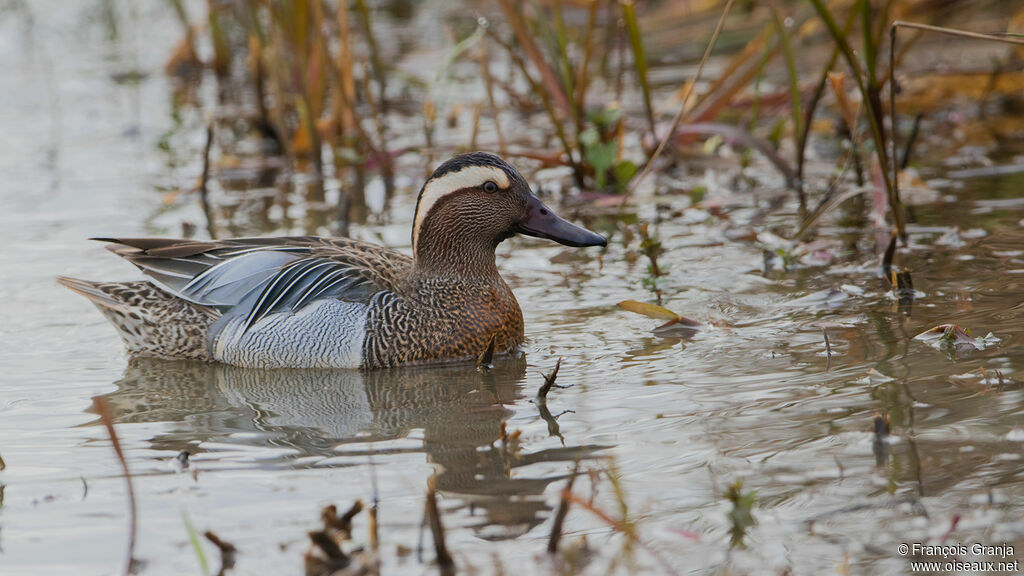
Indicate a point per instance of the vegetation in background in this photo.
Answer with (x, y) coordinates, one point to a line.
(802, 88)
(322, 83)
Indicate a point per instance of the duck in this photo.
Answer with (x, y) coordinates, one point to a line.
(335, 302)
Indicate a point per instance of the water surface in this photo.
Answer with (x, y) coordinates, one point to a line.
(94, 138)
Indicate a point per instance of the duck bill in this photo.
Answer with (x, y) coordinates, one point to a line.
(541, 222)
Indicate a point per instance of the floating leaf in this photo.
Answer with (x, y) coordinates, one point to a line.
(649, 310)
(953, 338)
(676, 327)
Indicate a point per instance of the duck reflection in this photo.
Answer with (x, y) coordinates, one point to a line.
(459, 408)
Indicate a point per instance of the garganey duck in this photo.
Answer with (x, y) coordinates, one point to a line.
(305, 302)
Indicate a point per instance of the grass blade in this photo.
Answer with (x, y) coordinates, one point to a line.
(639, 58)
(796, 107)
(197, 547)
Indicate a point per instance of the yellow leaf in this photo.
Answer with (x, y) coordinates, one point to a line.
(649, 310)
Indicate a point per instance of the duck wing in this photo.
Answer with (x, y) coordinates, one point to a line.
(256, 277)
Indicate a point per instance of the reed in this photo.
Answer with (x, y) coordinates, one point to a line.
(639, 59)
(324, 106)
(106, 417)
(869, 85)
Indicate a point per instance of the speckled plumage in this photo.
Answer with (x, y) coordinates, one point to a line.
(150, 321)
(335, 302)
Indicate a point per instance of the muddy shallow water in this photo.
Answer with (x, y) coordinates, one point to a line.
(87, 119)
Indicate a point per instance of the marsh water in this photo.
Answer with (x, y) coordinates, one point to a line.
(94, 142)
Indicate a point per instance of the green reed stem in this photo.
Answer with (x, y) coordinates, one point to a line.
(872, 104)
(639, 58)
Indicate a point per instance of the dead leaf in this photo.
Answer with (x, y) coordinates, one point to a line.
(649, 310)
(676, 327)
(950, 337)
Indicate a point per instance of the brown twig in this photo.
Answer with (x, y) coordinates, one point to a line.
(563, 510)
(549, 381)
(548, 76)
(373, 528)
(103, 410)
(444, 559)
(227, 552)
(342, 523)
(549, 107)
(1007, 38)
(619, 526)
(335, 556)
(893, 128)
(204, 178)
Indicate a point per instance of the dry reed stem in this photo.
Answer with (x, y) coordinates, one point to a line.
(525, 38)
(867, 84)
(563, 510)
(682, 106)
(108, 421)
(228, 552)
(896, 25)
(812, 105)
(204, 177)
(485, 71)
(444, 558)
(620, 526)
(549, 381)
(1008, 39)
(548, 107)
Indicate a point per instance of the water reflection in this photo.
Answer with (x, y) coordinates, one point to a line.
(460, 411)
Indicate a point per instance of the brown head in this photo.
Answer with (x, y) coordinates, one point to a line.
(473, 202)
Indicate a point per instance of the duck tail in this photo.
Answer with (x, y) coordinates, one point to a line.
(91, 290)
(150, 321)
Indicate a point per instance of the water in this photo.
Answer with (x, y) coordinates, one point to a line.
(93, 138)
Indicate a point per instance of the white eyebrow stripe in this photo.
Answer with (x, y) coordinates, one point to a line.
(438, 188)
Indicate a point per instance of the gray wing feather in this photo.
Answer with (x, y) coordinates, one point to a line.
(228, 282)
(252, 278)
(304, 281)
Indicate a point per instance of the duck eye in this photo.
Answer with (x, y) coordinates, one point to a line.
(490, 187)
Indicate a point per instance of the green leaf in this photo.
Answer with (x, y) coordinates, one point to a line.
(624, 172)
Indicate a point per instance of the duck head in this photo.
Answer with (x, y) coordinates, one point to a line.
(473, 202)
